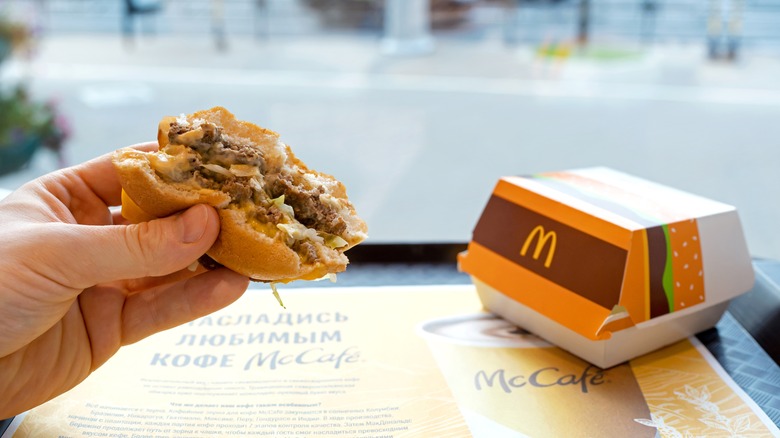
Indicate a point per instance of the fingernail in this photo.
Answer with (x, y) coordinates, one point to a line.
(193, 224)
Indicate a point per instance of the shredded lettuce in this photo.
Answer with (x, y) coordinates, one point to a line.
(330, 276)
(286, 209)
(334, 241)
(276, 295)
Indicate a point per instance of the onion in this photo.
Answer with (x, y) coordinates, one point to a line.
(300, 232)
(216, 168)
(244, 170)
(256, 183)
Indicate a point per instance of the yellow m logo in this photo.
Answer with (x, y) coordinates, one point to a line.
(540, 244)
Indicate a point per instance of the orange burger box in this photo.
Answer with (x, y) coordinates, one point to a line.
(606, 265)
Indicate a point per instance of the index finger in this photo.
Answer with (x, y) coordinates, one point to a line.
(101, 177)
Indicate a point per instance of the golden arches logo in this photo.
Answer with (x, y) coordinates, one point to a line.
(540, 244)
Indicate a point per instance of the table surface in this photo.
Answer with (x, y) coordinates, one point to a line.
(746, 341)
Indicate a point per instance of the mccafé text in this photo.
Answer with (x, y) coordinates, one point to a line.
(547, 377)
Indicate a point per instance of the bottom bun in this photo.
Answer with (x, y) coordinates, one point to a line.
(244, 249)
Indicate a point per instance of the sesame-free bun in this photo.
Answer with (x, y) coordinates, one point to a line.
(249, 243)
(154, 196)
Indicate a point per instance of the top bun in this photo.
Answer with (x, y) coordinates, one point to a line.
(280, 220)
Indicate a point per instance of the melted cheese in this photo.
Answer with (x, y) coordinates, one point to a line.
(173, 163)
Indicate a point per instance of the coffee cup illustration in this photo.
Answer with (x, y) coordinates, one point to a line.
(510, 383)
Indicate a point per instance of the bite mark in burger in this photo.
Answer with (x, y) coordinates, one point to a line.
(280, 220)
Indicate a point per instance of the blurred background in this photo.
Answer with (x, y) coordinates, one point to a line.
(418, 106)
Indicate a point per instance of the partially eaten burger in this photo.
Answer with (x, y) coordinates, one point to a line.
(280, 220)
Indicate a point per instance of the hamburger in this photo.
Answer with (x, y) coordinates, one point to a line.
(279, 220)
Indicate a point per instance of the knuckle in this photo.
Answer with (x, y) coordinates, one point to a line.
(144, 243)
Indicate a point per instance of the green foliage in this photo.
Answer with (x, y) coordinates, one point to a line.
(21, 118)
(25, 124)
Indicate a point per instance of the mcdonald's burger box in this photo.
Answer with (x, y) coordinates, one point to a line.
(606, 265)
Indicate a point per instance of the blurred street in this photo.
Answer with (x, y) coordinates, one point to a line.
(420, 141)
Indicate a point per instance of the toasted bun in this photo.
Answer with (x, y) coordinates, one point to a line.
(255, 248)
(152, 195)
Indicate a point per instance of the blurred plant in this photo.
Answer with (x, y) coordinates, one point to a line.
(26, 125)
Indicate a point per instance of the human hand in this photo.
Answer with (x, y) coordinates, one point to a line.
(77, 282)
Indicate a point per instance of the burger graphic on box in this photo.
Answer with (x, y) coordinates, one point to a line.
(604, 264)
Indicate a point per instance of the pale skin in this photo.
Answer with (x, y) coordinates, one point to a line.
(77, 282)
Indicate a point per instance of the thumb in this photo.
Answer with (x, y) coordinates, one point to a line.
(154, 248)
